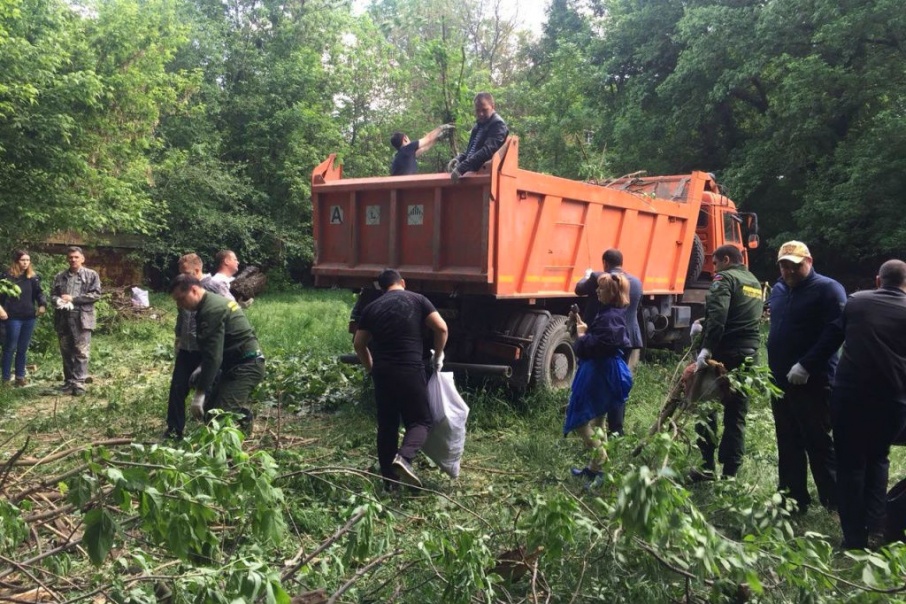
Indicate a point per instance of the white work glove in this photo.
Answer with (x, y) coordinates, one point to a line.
(193, 378)
(438, 361)
(452, 165)
(797, 376)
(702, 361)
(197, 407)
(64, 305)
(445, 131)
(455, 176)
(695, 329)
(588, 273)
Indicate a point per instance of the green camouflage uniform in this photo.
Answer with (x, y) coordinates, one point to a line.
(227, 342)
(731, 332)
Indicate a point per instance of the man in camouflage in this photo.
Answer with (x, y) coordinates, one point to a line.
(227, 341)
(730, 334)
(73, 294)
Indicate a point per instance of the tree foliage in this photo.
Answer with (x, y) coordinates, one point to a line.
(197, 123)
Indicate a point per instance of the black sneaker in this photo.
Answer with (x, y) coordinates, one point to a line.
(701, 475)
(407, 476)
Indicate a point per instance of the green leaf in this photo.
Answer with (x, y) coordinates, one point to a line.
(101, 528)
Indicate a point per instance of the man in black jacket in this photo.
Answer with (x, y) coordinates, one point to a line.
(868, 403)
(802, 355)
(488, 135)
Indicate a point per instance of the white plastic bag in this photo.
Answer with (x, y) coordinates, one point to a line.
(449, 413)
(140, 298)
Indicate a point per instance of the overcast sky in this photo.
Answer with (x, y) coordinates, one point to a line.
(529, 13)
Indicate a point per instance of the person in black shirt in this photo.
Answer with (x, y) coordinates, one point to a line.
(388, 342)
(868, 402)
(18, 314)
(404, 162)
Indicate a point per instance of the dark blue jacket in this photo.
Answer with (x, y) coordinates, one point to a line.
(605, 337)
(802, 329)
(589, 287)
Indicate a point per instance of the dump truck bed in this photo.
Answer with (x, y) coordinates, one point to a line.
(502, 232)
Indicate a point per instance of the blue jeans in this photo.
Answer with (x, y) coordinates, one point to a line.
(18, 335)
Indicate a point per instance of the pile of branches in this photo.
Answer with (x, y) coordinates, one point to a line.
(120, 300)
(52, 526)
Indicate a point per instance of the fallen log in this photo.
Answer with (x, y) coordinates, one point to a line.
(248, 283)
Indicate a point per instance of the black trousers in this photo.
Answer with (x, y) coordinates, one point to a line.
(864, 427)
(803, 426)
(186, 362)
(736, 406)
(400, 393)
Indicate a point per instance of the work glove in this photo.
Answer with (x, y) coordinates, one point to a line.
(197, 407)
(63, 305)
(445, 131)
(438, 361)
(702, 361)
(454, 176)
(797, 376)
(695, 329)
(452, 165)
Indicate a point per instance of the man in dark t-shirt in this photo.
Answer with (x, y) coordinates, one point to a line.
(404, 162)
(388, 342)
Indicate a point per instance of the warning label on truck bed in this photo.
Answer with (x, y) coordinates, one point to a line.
(416, 214)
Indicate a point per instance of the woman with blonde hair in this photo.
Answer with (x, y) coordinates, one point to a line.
(18, 314)
(603, 380)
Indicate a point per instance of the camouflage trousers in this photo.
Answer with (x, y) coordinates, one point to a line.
(75, 348)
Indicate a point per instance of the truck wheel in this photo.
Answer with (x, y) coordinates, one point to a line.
(696, 259)
(555, 359)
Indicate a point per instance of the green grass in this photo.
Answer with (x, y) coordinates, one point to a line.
(515, 474)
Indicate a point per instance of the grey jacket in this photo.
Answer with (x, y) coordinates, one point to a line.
(85, 288)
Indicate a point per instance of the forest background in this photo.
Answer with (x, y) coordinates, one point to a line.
(196, 123)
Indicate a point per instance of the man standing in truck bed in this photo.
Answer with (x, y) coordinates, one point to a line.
(488, 135)
(730, 334)
(407, 151)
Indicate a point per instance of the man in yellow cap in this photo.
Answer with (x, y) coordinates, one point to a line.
(802, 355)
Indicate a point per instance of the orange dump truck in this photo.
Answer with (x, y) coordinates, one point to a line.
(500, 252)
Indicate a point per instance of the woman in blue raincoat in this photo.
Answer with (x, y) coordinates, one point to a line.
(603, 379)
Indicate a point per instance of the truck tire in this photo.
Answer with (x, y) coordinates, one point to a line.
(696, 260)
(555, 360)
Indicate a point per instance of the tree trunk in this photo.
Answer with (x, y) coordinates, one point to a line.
(248, 283)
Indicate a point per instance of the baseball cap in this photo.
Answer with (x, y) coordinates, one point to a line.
(794, 251)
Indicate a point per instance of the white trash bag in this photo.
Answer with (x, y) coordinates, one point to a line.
(140, 298)
(449, 412)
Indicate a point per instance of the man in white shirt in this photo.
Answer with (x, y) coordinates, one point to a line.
(226, 266)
